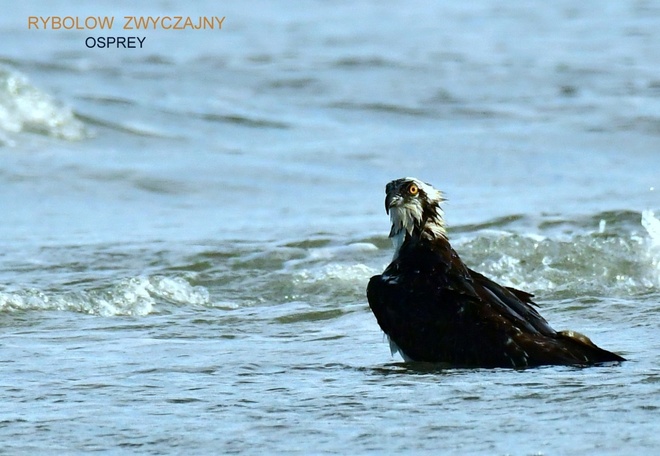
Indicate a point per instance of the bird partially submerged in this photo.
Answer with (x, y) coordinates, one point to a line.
(434, 308)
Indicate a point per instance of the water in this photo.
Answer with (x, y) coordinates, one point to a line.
(188, 229)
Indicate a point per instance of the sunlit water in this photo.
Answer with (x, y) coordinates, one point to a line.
(188, 230)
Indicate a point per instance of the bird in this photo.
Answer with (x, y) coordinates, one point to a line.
(435, 309)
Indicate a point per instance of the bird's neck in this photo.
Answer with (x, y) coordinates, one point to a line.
(430, 229)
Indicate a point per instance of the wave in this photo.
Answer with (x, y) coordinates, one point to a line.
(138, 296)
(596, 257)
(615, 259)
(24, 108)
(595, 264)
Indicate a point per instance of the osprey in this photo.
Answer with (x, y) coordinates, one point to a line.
(434, 308)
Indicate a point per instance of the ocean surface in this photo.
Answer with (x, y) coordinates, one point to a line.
(187, 229)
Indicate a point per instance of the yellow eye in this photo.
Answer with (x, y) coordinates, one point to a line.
(413, 189)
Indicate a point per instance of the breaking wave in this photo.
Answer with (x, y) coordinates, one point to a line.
(607, 255)
(618, 257)
(137, 296)
(24, 108)
(602, 262)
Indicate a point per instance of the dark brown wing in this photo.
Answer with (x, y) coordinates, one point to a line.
(511, 303)
(420, 328)
(563, 347)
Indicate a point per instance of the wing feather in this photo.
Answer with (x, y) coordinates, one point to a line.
(514, 304)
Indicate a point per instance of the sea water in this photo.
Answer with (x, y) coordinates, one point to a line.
(188, 228)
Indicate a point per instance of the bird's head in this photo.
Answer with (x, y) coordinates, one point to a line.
(414, 209)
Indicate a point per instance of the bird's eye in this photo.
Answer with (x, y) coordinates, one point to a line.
(413, 189)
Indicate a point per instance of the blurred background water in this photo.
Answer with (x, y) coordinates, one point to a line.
(188, 228)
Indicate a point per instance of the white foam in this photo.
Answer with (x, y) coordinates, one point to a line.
(335, 251)
(138, 296)
(23, 107)
(178, 291)
(652, 226)
(579, 264)
(353, 272)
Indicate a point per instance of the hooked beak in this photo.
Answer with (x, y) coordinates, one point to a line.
(391, 200)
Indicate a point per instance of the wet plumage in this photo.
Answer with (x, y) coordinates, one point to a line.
(434, 308)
